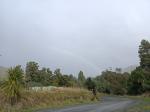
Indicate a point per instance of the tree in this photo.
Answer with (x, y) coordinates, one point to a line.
(112, 82)
(118, 70)
(73, 81)
(57, 77)
(91, 86)
(102, 85)
(58, 73)
(32, 69)
(144, 54)
(81, 79)
(45, 76)
(65, 81)
(136, 81)
(14, 84)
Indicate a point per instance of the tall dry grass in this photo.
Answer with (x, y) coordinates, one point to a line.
(46, 99)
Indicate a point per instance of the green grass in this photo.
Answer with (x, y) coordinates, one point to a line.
(142, 106)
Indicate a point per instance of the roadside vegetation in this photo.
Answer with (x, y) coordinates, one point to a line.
(135, 83)
(34, 100)
(143, 103)
(16, 93)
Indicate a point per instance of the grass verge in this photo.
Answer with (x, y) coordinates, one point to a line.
(142, 106)
(34, 100)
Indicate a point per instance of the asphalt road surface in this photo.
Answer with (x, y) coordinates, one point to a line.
(107, 104)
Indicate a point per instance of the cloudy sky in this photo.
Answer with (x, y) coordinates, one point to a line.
(88, 35)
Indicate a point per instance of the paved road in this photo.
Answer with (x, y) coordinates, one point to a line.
(108, 104)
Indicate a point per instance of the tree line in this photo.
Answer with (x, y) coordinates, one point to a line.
(134, 83)
(111, 82)
(46, 77)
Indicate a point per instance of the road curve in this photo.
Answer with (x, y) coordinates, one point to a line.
(108, 104)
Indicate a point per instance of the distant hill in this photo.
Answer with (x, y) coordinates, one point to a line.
(129, 69)
(3, 72)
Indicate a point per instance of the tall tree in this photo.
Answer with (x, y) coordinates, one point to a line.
(136, 81)
(144, 54)
(57, 78)
(91, 86)
(32, 69)
(45, 76)
(81, 79)
(112, 82)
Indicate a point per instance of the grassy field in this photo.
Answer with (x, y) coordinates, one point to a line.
(142, 106)
(34, 100)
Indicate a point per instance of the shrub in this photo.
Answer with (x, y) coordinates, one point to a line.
(13, 85)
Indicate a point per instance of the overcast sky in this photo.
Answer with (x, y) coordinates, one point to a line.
(88, 35)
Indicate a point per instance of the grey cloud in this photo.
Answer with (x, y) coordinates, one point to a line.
(91, 35)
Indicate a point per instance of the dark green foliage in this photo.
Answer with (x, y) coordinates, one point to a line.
(102, 84)
(91, 85)
(45, 76)
(32, 72)
(36, 77)
(136, 81)
(58, 77)
(139, 80)
(81, 79)
(112, 82)
(118, 70)
(63, 80)
(144, 54)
